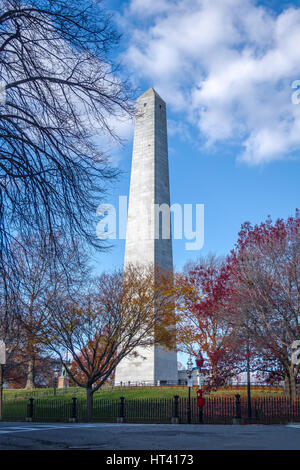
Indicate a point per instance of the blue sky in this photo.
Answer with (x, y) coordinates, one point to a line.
(225, 69)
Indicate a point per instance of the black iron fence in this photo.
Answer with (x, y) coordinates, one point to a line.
(217, 410)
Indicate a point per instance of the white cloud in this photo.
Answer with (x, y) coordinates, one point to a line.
(148, 7)
(123, 129)
(228, 64)
(179, 129)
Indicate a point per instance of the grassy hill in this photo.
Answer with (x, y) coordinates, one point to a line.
(114, 393)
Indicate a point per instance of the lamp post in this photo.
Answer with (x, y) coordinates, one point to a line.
(242, 262)
(199, 364)
(55, 382)
(2, 363)
(248, 382)
(189, 371)
(200, 398)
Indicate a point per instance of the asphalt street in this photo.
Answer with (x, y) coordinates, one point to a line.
(54, 436)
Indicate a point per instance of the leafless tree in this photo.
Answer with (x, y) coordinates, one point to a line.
(62, 89)
(38, 279)
(9, 328)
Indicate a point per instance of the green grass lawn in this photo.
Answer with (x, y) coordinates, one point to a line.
(141, 402)
(130, 393)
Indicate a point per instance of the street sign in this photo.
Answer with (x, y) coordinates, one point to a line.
(296, 352)
(2, 352)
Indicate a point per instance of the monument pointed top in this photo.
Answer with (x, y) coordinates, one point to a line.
(149, 92)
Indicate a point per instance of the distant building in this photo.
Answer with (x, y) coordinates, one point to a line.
(183, 378)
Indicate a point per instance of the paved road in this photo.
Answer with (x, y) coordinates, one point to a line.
(152, 436)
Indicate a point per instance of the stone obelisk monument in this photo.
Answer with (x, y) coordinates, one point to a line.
(149, 185)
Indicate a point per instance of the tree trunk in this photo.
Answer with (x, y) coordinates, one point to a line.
(89, 403)
(30, 375)
(293, 386)
(290, 384)
(214, 377)
(287, 390)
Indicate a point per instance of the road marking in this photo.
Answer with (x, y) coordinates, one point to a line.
(33, 427)
(49, 427)
(13, 429)
(296, 426)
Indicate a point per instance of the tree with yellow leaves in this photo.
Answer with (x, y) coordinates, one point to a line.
(108, 322)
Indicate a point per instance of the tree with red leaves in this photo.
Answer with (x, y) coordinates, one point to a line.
(204, 319)
(93, 353)
(265, 267)
(16, 370)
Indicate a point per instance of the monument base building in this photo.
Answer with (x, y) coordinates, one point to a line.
(153, 366)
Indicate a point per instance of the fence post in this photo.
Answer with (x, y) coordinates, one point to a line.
(121, 418)
(200, 414)
(30, 410)
(238, 416)
(175, 418)
(74, 410)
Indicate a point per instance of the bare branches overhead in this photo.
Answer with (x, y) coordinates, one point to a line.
(61, 91)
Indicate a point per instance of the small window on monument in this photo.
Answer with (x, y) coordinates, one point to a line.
(145, 104)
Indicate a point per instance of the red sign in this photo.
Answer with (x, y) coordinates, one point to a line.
(200, 398)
